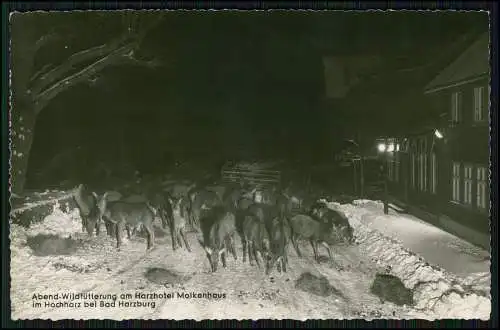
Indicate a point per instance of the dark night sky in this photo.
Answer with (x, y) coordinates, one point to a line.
(232, 78)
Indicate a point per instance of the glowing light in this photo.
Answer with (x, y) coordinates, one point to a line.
(390, 148)
(397, 147)
(381, 147)
(438, 134)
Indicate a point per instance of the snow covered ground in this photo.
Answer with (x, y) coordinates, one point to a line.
(448, 275)
(455, 255)
(95, 266)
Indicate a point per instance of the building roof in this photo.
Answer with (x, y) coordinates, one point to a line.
(472, 63)
(397, 94)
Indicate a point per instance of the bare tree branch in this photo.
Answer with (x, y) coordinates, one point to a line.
(121, 51)
(40, 72)
(44, 80)
(135, 35)
(48, 94)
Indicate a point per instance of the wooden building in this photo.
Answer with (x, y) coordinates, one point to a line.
(444, 166)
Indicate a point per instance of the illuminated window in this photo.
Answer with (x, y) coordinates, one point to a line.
(479, 103)
(482, 188)
(456, 182)
(433, 173)
(468, 184)
(413, 165)
(423, 165)
(396, 169)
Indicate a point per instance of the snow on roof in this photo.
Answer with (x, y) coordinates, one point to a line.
(474, 62)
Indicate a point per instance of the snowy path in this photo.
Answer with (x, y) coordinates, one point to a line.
(97, 267)
(434, 244)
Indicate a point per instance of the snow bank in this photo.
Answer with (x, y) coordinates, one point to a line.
(436, 291)
(40, 200)
(98, 266)
(57, 223)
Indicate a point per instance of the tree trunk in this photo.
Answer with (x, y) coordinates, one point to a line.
(362, 178)
(385, 183)
(355, 177)
(22, 130)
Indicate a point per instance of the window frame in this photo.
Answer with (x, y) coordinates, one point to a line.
(434, 173)
(456, 182)
(468, 182)
(482, 182)
(456, 107)
(479, 99)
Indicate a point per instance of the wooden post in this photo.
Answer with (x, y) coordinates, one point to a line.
(355, 176)
(386, 193)
(362, 178)
(406, 173)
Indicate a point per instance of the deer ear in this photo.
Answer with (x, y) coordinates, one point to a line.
(209, 250)
(221, 251)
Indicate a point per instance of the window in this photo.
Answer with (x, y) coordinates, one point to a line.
(468, 184)
(426, 174)
(421, 171)
(423, 166)
(456, 182)
(482, 184)
(390, 173)
(396, 169)
(456, 107)
(413, 163)
(433, 173)
(479, 103)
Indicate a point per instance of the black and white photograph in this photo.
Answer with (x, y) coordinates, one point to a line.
(249, 164)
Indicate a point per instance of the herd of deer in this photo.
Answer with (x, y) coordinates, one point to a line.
(264, 227)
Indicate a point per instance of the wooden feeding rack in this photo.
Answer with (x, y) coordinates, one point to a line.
(256, 174)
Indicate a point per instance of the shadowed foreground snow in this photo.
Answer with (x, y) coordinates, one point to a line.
(97, 267)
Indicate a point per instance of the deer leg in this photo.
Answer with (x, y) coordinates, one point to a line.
(278, 264)
(250, 255)
(173, 237)
(179, 238)
(315, 250)
(128, 231)
(151, 235)
(257, 255)
(233, 249)
(244, 244)
(296, 246)
(119, 228)
(84, 223)
(183, 234)
(223, 258)
(112, 229)
(285, 259)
